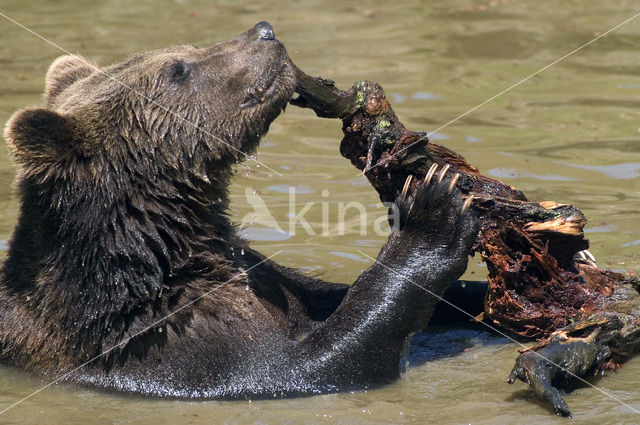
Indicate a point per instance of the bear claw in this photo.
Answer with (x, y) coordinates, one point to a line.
(443, 172)
(453, 182)
(430, 173)
(405, 188)
(467, 203)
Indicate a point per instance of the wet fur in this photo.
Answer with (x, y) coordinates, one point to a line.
(123, 220)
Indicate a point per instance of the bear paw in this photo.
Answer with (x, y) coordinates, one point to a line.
(435, 215)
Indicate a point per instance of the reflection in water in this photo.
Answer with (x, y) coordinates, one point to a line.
(350, 256)
(634, 243)
(438, 136)
(618, 171)
(397, 98)
(581, 113)
(510, 173)
(365, 242)
(285, 188)
(421, 95)
(253, 233)
(440, 342)
(472, 139)
(600, 229)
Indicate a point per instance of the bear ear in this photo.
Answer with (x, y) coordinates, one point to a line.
(65, 71)
(38, 137)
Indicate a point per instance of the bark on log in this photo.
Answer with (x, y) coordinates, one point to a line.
(541, 284)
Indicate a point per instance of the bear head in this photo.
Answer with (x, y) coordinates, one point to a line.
(181, 111)
(123, 175)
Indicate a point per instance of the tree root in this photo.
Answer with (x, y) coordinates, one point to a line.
(541, 282)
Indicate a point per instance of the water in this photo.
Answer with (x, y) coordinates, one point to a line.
(570, 134)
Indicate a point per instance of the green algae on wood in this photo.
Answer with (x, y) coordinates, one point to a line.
(584, 317)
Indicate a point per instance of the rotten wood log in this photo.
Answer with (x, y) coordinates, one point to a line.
(541, 285)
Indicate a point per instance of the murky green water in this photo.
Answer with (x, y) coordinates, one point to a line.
(570, 134)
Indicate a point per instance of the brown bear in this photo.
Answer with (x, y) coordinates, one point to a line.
(124, 271)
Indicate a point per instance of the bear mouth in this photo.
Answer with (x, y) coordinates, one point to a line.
(258, 94)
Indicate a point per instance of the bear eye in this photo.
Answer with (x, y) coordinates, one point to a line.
(179, 71)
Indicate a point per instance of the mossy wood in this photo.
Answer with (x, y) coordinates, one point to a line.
(586, 319)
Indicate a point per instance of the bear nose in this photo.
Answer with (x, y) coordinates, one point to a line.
(265, 31)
